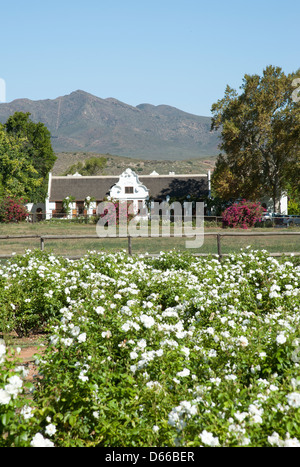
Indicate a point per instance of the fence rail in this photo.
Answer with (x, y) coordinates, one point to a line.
(219, 236)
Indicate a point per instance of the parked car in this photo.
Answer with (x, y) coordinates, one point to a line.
(267, 216)
(291, 220)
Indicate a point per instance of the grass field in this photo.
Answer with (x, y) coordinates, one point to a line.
(78, 247)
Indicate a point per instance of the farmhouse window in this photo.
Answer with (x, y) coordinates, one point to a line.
(59, 210)
(80, 207)
(59, 207)
(128, 189)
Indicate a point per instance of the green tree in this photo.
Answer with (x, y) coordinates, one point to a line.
(36, 147)
(260, 137)
(91, 166)
(18, 177)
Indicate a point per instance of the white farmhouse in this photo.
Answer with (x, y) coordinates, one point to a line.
(135, 189)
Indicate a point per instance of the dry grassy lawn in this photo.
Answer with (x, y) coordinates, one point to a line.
(78, 247)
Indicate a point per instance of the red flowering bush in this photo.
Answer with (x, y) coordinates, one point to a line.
(12, 210)
(243, 214)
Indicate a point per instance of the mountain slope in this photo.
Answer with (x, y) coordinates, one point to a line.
(83, 122)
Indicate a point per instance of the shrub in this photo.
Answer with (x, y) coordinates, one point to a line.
(170, 351)
(243, 214)
(293, 207)
(12, 210)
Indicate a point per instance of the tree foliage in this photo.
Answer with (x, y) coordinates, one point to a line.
(36, 148)
(260, 137)
(18, 176)
(91, 166)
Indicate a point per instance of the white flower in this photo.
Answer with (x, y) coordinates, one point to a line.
(184, 372)
(262, 354)
(39, 441)
(230, 377)
(50, 429)
(82, 376)
(217, 381)
(106, 334)
(155, 428)
(126, 326)
(209, 439)
(100, 310)
(294, 399)
(75, 331)
(2, 350)
(54, 339)
(153, 385)
(240, 416)
(274, 439)
(185, 350)
(14, 386)
(256, 419)
(173, 418)
(67, 342)
(280, 339)
(142, 344)
(259, 296)
(287, 443)
(4, 397)
(243, 341)
(26, 412)
(133, 355)
(188, 408)
(147, 321)
(245, 441)
(82, 337)
(291, 442)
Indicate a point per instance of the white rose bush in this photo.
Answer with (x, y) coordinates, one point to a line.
(167, 351)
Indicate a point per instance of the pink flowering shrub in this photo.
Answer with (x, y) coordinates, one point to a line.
(12, 210)
(243, 214)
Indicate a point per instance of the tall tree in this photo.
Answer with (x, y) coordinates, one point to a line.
(260, 137)
(36, 145)
(18, 177)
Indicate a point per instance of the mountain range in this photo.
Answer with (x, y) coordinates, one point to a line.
(82, 122)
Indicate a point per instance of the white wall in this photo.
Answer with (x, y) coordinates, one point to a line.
(282, 205)
(130, 179)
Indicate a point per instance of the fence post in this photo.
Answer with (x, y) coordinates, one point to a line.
(219, 246)
(129, 245)
(42, 244)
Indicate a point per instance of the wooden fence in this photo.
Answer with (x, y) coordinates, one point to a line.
(43, 238)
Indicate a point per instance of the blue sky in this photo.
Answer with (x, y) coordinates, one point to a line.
(179, 53)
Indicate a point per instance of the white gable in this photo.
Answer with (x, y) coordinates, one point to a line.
(129, 187)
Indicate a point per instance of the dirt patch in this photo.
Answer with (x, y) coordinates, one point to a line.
(30, 346)
(27, 357)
